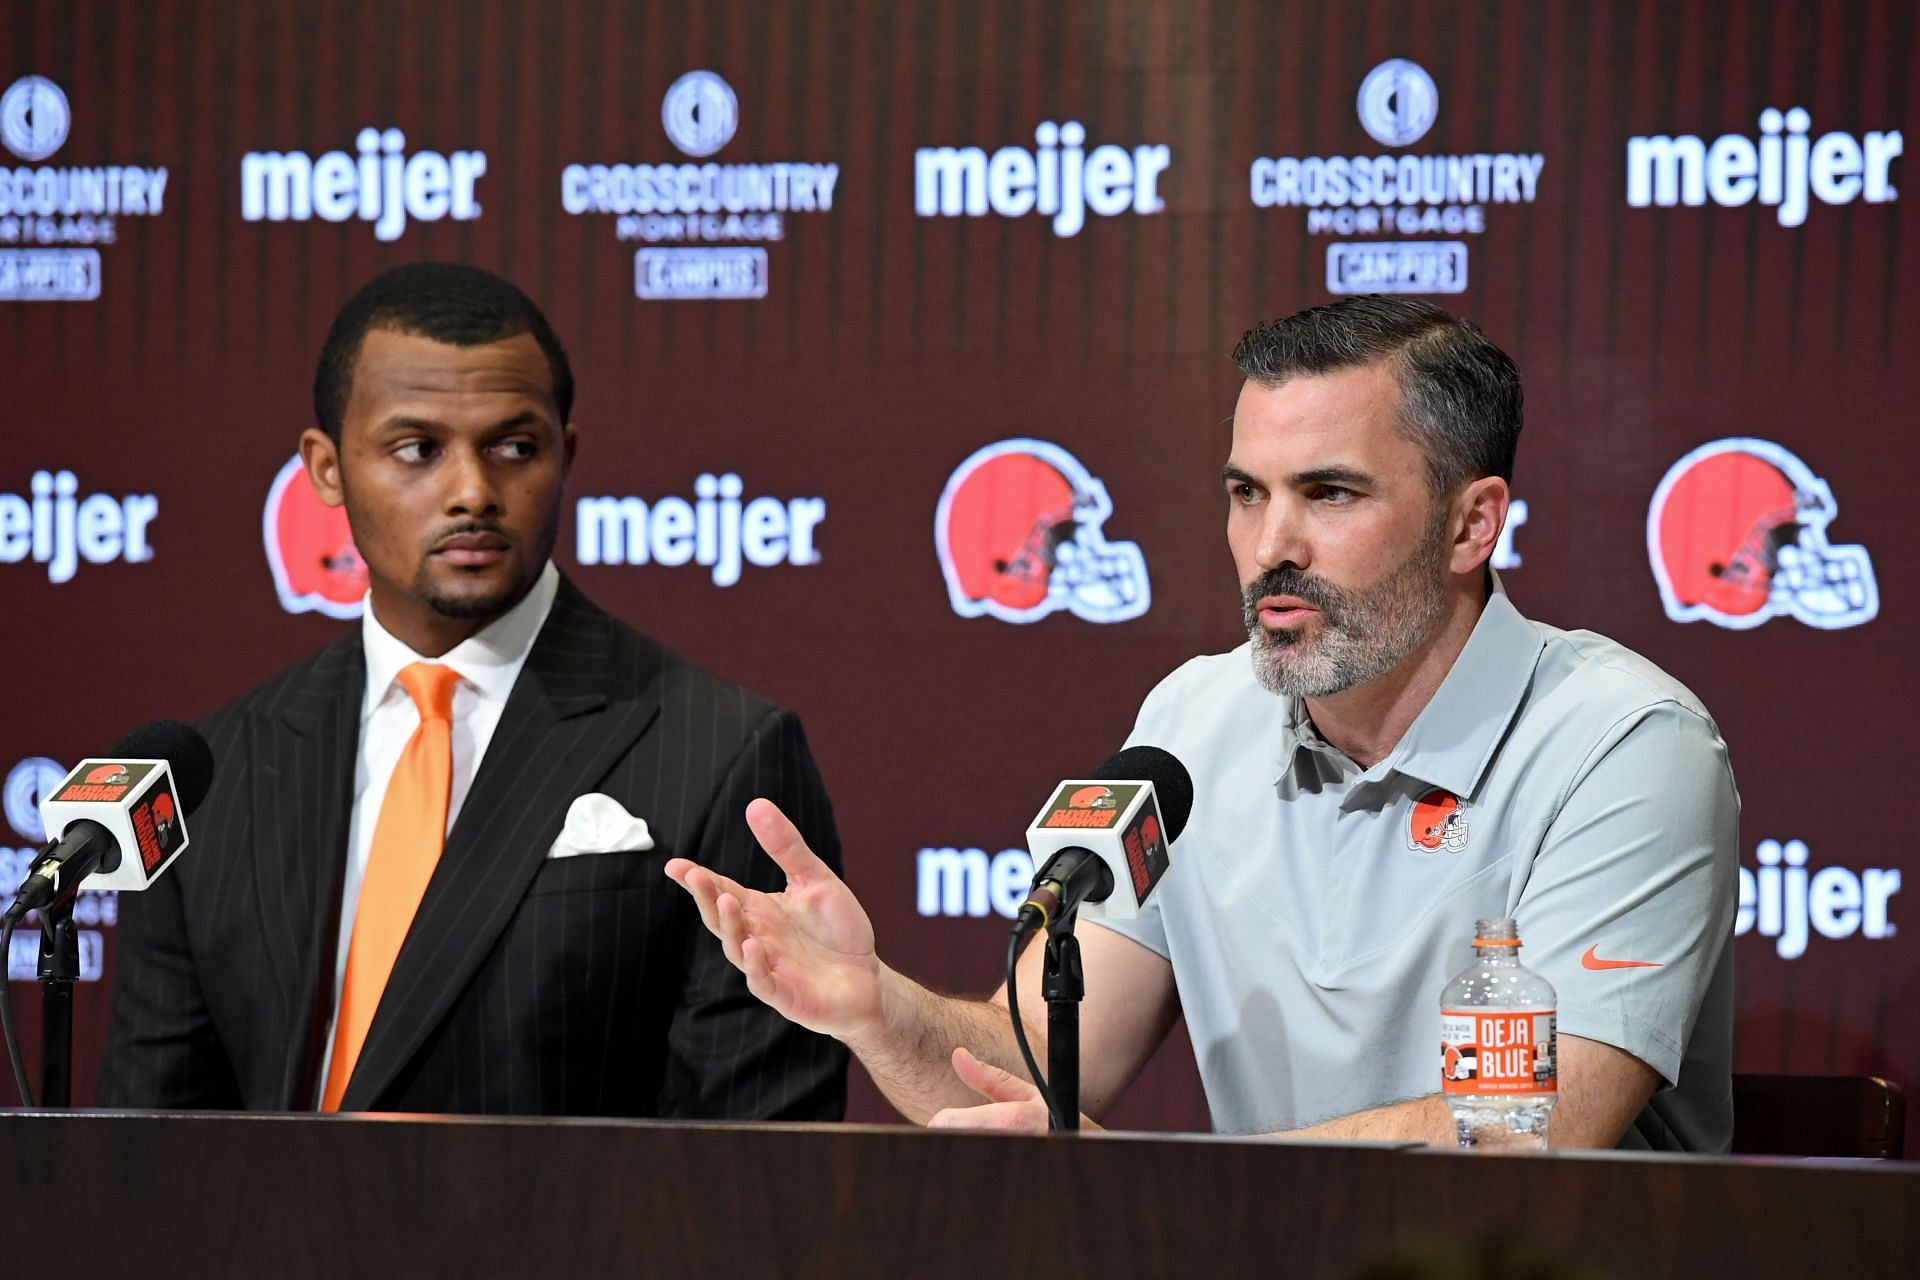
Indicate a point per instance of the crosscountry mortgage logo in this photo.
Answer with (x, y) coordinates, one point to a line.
(1019, 535)
(28, 783)
(316, 568)
(1398, 103)
(49, 209)
(704, 224)
(1399, 196)
(725, 271)
(700, 113)
(1410, 266)
(34, 117)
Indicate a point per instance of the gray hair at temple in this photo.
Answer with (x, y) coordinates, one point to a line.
(1459, 394)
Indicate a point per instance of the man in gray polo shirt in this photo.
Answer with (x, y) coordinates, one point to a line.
(1395, 752)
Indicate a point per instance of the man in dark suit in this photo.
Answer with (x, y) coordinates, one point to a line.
(428, 875)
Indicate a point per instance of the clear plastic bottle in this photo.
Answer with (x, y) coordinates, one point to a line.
(1498, 1063)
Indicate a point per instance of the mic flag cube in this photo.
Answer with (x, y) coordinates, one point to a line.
(135, 800)
(1118, 820)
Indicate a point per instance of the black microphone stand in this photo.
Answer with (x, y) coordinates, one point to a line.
(1064, 985)
(59, 970)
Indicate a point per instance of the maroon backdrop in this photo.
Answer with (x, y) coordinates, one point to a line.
(1658, 297)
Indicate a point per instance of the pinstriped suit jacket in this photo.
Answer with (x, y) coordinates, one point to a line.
(582, 985)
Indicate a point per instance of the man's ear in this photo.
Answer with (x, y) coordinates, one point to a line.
(1479, 513)
(321, 457)
(569, 444)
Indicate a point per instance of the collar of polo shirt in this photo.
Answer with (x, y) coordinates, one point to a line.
(1451, 741)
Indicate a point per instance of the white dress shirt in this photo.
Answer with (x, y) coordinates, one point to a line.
(488, 663)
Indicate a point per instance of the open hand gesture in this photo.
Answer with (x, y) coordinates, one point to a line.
(807, 951)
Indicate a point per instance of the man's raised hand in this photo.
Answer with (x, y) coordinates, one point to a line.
(807, 951)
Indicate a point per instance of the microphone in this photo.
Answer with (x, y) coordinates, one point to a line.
(135, 800)
(1105, 842)
(1106, 833)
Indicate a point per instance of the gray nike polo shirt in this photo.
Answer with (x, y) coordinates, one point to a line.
(1314, 909)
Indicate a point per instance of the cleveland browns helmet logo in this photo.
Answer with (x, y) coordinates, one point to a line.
(316, 568)
(1439, 822)
(1737, 534)
(1092, 798)
(1019, 535)
(163, 813)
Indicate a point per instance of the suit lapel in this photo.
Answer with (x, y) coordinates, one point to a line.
(302, 797)
(580, 702)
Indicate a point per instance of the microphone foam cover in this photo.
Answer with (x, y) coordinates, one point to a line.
(1172, 784)
(185, 751)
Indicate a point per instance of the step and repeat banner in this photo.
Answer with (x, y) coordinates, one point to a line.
(861, 288)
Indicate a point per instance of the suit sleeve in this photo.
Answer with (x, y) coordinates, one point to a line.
(730, 1056)
(161, 1047)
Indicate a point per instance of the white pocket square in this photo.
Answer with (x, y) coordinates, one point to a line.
(598, 824)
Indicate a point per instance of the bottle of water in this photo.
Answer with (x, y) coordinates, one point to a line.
(1497, 1054)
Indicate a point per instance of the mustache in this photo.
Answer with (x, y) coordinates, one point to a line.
(493, 527)
(1288, 581)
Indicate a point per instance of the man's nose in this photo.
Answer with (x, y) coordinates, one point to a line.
(470, 484)
(1283, 540)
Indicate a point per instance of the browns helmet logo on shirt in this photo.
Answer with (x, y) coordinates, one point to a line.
(1439, 822)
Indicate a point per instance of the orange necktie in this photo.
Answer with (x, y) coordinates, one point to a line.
(406, 846)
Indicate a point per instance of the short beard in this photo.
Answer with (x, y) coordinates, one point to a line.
(467, 608)
(1362, 634)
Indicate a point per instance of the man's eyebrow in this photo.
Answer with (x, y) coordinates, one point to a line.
(525, 418)
(1336, 475)
(405, 422)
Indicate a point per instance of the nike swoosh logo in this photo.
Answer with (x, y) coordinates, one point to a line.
(1592, 961)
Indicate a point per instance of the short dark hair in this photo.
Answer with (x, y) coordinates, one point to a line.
(446, 301)
(1459, 394)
